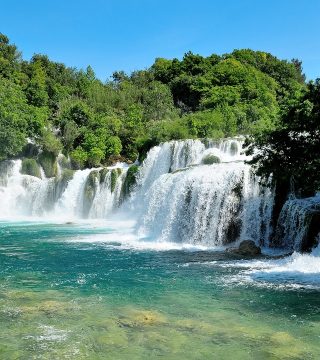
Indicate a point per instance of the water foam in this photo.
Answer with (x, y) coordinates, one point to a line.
(291, 272)
(186, 201)
(177, 198)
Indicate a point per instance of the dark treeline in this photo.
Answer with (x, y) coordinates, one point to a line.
(291, 150)
(64, 109)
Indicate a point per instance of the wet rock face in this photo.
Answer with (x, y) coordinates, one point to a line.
(311, 238)
(246, 248)
(233, 230)
(30, 167)
(90, 190)
(298, 225)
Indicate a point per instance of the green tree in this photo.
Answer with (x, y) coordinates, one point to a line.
(113, 146)
(10, 58)
(36, 90)
(291, 152)
(14, 114)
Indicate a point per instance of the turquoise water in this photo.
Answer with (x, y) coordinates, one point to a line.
(65, 293)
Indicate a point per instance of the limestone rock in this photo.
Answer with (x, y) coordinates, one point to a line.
(246, 248)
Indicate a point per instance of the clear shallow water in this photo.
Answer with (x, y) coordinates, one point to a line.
(79, 291)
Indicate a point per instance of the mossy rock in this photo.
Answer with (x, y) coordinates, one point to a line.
(211, 159)
(103, 173)
(49, 164)
(246, 248)
(30, 167)
(90, 186)
(141, 318)
(90, 190)
(115, 173)
(130, 180)
(62, 182)
(234, 148)
(93, 176)
(4, 168)
(206, 142)
(114, 159)
(67, 175)
(30, 150)
(64, 162)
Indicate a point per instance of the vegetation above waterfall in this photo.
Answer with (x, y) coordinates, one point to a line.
(291, 151)
(58, 108)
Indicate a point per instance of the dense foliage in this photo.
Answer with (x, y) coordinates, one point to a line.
(64, 109)
(291, 152)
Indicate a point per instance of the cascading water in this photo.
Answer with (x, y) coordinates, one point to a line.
(186, 192)
(299, 223)
(107, 193)
(187, 200)
(24, 194)
(65, 196)
(71, 202)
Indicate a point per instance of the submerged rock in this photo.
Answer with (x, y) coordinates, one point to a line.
(141, 318)
(233, 148)
(246, 248)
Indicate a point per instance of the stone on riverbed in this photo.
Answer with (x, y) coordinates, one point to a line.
(246, 248)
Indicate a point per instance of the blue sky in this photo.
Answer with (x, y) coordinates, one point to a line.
(129, 34)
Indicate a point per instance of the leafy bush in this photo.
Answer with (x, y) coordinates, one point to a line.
(79, 157)
(113, 146)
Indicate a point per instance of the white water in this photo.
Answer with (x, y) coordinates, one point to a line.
(177, 198)
(180, 199)
(106, 200)
(294, 220)
(292, 272)
(24, 195)
(71, 202)
(178, 204)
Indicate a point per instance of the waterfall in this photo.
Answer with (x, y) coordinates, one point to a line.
(65, 196)
(187, 191)
(299, 224)
(10, 179)
(180, 197)
(71, 202)
(175, 155)
(107, 193)
(23, 194)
